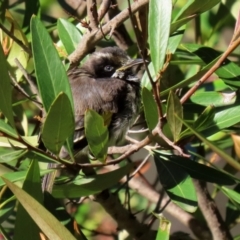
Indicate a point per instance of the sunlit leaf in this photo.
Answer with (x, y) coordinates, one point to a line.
(69, 35)
(159, 27)
(50, 72)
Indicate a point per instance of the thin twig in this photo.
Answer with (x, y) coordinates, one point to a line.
(21, 90)
(29, 79)
(103, 9)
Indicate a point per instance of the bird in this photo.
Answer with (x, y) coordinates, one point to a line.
(106, 83)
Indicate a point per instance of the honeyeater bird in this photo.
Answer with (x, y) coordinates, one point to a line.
(106, 83)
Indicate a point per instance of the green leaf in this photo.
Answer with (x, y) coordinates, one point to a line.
(50, 72)
(164, 228)
(5, 90)
(177, 183)
(145, 82)
(59, 124)
(8, 204)
(202, 122)
(5, 128)
(96, 133)
(19, 176)
(225, 117)
(10, 154)
(214, 147)
(233, 208)
(32, 185)
(199, 171)
(160, 12)
(217, 99)
(41, 157)
(229, 71)
(232, 194)
(150, 109)
(69, 35)
(190, 10)
(50, 226)
(175, 39)
(174, 107)
(90, 185)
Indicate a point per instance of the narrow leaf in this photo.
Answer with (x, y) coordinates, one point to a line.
(190, 10)
(228, 72)
(174, 107)
(51, 227)
(19, 176)
(50, 72)
(150, 108)
(234, 195)
(202, 122)
(90, 185)
(10, 154)
(5, 128)
(32, 185)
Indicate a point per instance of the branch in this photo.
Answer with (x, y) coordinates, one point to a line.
(211, 213)
(89, 40)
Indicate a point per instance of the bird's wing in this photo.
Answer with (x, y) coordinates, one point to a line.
(101, 95)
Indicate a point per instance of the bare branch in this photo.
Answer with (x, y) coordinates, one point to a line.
(89, 40)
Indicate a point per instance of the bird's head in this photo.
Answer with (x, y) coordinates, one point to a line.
(112, 62)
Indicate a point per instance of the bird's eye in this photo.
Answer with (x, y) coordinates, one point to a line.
(108, 68)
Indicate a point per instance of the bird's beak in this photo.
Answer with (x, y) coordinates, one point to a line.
(121, 72)
(131, 63)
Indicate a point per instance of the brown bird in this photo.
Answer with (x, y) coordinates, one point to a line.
(106, 83)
